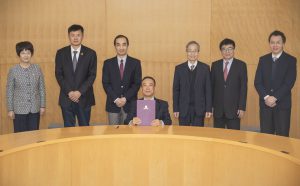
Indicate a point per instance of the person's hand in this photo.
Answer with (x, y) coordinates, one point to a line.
(118, 102)
(122, 101)
(270, 101)
(156, 123)
(176, 114)
(72, 96)
(11, 114)
(136, 121)
(42, 111)
(208, 114)
(77, 95)
(240, 113)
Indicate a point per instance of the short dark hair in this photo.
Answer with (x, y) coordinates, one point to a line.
(149, 77)
(74, 28)
(24, 45)
(120, 36)
(226, 41)
(277, 33)
(192, 43)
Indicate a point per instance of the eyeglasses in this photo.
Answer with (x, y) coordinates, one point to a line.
(227, 49)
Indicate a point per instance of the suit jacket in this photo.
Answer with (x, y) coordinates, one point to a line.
(82, 79)
(280, 87)
(115, 87)
(202, 88)
(25, 90)
(161, 111)
(230, 95)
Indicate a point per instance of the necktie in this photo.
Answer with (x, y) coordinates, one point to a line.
(226, 70)
(121, 69)
(74, 60)
(192, 67)
(274, 64)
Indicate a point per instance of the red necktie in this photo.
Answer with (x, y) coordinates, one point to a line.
(226, 70)
(121, 69)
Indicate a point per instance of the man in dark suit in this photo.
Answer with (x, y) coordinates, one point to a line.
(121, 79)
(192, 89)
(75, 71)
(274, 79)
(229, 87)
(162, 114)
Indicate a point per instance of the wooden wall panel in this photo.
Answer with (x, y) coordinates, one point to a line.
(158, 32)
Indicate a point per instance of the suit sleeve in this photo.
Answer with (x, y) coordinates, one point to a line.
(42, 89)
(208, 93)
(132, 113)
(212, 76)
(132, 91)
(176, 90)
(88, 83)
(59, 74)
(289, 81)
(106, 82)
(166, 114)
(244, 87)
(258, 81)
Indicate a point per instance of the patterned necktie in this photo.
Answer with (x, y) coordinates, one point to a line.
(121, 69)
(274, 65)
(192, 67)
(74, 60)
(226, 70)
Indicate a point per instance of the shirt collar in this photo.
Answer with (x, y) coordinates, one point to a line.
(190, 64)
(78, 49)
(277, 56)
(149, 98)
(120, 58)
(230, 61)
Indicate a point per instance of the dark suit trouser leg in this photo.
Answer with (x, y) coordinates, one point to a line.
(282, 121)
(26, 122)
(266, 121)
(219, 122)
(69, 114)
(191, 119)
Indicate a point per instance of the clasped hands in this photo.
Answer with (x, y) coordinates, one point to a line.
(74, 96)
(120, 102)
(270, 101)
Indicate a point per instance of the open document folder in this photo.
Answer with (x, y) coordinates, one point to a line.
(146, 111)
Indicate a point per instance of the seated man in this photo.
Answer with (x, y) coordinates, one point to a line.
(162, 115)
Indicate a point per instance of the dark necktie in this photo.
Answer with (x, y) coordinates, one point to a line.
(74, 60)
(274, 65)
(192, 67)
(226, 70)
(121, 69)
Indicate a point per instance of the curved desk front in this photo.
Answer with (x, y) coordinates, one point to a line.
(141, 156)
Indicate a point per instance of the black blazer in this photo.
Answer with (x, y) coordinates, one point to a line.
(285, 77)
(161, 112)
(115, 87)
(230, 95)
(82, 79)
(202, 88)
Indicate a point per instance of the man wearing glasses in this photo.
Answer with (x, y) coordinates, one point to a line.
(192, 89)
(229, 87)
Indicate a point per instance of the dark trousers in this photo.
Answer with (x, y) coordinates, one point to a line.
(26, 122)
(191, 119)
(275, 121)
(223, 122)
(74, 110)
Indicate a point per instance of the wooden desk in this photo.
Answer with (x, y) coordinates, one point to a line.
(172, 155)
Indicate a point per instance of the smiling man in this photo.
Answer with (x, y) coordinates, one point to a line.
(75, 71)
(162, 115)
(274, 79)
(121, 80)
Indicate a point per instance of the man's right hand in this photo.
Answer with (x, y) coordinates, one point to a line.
(136, 121)
(176, 114)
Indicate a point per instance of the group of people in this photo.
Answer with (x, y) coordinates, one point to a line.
(199, 91)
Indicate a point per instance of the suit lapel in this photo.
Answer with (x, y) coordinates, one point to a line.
(127, 68)
(231, 70)
(116, 68)
(186, 74)
(80, 58)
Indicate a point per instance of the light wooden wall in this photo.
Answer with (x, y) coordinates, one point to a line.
(157, 31)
